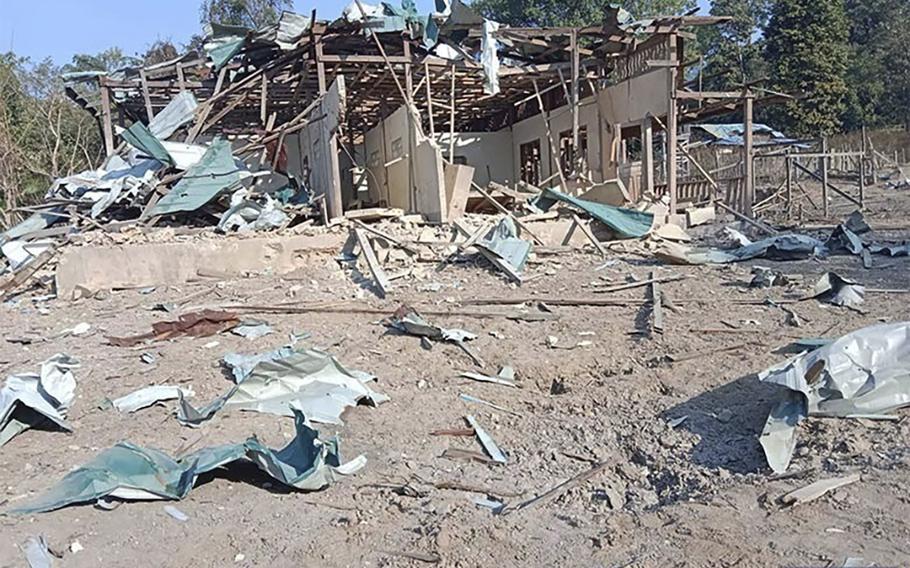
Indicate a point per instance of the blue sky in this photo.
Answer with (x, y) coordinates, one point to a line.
(61, 28)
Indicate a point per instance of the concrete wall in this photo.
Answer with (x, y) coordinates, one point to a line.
(386, 142)
(489, 153)
(560, 120)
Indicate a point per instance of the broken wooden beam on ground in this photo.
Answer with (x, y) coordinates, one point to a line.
(657, 312)
(586, 230)
(379, 276)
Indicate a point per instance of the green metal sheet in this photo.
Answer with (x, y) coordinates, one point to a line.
(626, 222)
(214, 173)
(140, 137)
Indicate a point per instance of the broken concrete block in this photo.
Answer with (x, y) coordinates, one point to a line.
(696, 216)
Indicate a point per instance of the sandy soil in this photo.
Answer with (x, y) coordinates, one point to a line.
(698, 494)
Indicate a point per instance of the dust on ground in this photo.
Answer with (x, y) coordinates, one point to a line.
(697, 494)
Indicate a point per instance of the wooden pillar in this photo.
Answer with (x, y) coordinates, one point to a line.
(320, 67)
(789, 182)
(106, 121)
(647, 155)
(862, 182)
(672, 120)
(145, 95)
(452, 119)
(748, 156)
(575, 158)
(823, 163)
(865, 150)
(408, 76)
(181, 80)
(264, 100)
(426, 74)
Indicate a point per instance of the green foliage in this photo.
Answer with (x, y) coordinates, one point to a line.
(43, 135)
(528, 13)
(108, 60)
(251, 14)
(160, 51)
(733, 50)
(807, 52)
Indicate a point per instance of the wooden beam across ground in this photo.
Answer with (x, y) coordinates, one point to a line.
(379, 275)
(657, 311)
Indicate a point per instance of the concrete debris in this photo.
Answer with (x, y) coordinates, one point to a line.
(818, 489)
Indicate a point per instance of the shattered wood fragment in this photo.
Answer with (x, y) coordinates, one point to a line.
(631, 285)
(463, 433)
(379, 276)
(818, 489)
(561, 488)
(467, 455)
(586, 230)
(657, 312)
(455, 486)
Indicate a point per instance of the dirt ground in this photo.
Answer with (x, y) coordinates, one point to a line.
(699, 494)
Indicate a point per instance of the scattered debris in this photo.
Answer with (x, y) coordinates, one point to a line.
(196, 324)
(143, 398)
(864, 373)
(781, 247)
(407, 320)
(834, 289)
(176, 513)
(817, 489)
(505, 377)
(486, 441)
(37, 553)
(764, 277)
(469, 398)
(302, 380)
(130, 472)
(252, 330)
(29, 400)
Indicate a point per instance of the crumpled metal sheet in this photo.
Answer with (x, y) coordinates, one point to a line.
(242, 365)
(119, 181)
(215, 172)
(246, 215)
(28, 399)
(179, 111)
(143, 398)
(141, 138)
(130, 472)
(627, 223)
(305, 380)
(503, 241)
(834, 289)
(864, 373)
(781, 247)
(189, 415)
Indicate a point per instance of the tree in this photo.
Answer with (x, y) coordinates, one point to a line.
(877, 75)
(733, 50)
(529, 13)
(807, 53)
(108, 60)
(252, 14)
(160, 51)
(43, 135)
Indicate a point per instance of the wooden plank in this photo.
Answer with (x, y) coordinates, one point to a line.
(9, 287)
(426, 75)
(143, 80)
(757, 224)
(748, 151)
(384, 236)
(817, 177)
(375, 59)
(379, 276)
(505, 211)
(823, 166)
(704, 95)
(672, 117)
(657, 311)
(106, 121)
(586, 230)
(264, 100)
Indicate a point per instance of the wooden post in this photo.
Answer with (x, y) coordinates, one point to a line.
(452, 119)
(264, 100)
(145, 95)
(672, 122)
(180, 77)
(546, 120)
(647, 155)
(320, 67)
(575, 158)
(426, 75)
(408, 77)
(823, 163)
(748, 165)
(865, 150)
(106, 121)
(789, 182)
(862, 182)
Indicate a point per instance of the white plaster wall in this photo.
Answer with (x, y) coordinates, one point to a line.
(485, 152)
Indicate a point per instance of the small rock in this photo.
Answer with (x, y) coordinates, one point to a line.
(724, 415)
(76, 547)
